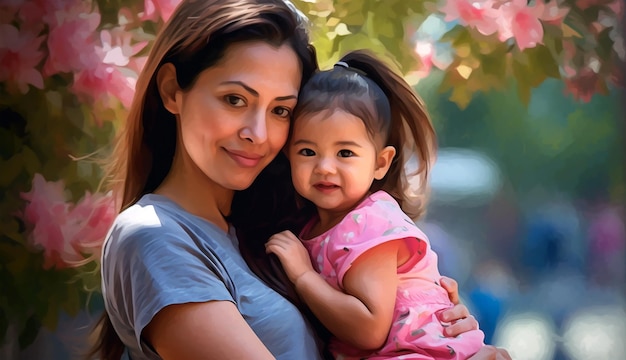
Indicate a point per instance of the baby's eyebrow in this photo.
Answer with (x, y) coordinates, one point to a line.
(347, 143)
(303, 141)
(337, 143)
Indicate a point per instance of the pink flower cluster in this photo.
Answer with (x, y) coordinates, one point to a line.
(153, 9)
(65, 34)
(70, 235)
(510, 19)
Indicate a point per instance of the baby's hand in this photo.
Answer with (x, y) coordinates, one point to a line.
(291, 253)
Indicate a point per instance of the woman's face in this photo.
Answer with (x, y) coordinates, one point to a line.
(235, 118)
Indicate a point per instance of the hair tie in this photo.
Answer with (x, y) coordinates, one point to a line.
(345, 65)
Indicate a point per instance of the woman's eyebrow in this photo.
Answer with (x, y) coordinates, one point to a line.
(243, 85)
(348, 143)
(254, 92)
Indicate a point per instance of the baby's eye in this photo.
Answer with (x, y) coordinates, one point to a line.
(306, 152)
(234, 100)
(345, 153)
(282, 112)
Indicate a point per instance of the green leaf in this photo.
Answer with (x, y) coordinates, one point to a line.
(11, 229)
(457, 33)
(360, 41)
(352, 13)
(417, 6)
(495, 62)
(31, 161)
(460, 93)
(540, 58)
(11, 168)
(29, 332)
(604, 49)
(71, 303)
(461, 96)
(520, 71)
(4, 325)
(553, 39)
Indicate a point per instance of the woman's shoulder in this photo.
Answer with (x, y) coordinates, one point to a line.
(149, 218)
(145, 216)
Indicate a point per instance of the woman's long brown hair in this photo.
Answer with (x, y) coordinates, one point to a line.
(194, 39)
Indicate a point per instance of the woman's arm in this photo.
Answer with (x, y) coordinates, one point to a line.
(208, 330)
(362, 315)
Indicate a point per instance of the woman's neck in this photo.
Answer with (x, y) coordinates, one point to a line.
(191, 189)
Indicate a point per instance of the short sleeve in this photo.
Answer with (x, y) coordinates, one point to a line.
(369, 226)
(153, 268)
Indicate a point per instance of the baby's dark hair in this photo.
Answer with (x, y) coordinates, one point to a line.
(363, 85)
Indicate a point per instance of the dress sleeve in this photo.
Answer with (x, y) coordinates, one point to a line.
(368, 227)
(151, 269)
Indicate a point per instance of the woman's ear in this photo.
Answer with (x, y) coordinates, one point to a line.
(383, 161)
(168, 87)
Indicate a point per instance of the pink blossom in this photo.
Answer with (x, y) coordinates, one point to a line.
(583, 85)
(585, 4)
(101, 82)
(478, 14)
(70, 235)
(8, 9)
(617, 6)
(155, 8)
(50, 12)
(72, 45)
(149, 11)
(19, 55)
(551, 11)
(425, 51)
(117, 46)
(88, 223)
(520, 21)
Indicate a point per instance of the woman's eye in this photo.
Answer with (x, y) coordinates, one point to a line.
(282, 112)
(234, 100)
(345, 153)
(306, 152)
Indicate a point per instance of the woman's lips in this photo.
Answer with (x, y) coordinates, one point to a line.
(244, 159)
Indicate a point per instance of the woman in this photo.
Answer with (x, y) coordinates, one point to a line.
(211, 112)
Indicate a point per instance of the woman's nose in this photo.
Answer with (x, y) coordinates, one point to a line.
(255, 128)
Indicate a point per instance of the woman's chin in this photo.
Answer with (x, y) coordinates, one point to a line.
(239, 184)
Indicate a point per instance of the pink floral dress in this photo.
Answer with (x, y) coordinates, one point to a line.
(416, 333)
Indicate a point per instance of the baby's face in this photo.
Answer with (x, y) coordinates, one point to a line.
(333, 159)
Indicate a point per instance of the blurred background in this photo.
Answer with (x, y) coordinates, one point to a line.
(527, 210)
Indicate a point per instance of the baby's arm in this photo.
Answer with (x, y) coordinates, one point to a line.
(362, 316)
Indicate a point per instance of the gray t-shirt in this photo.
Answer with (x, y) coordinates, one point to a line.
(157, 254)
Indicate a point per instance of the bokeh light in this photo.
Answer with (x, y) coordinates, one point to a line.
(527, 336)
(596, 333)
